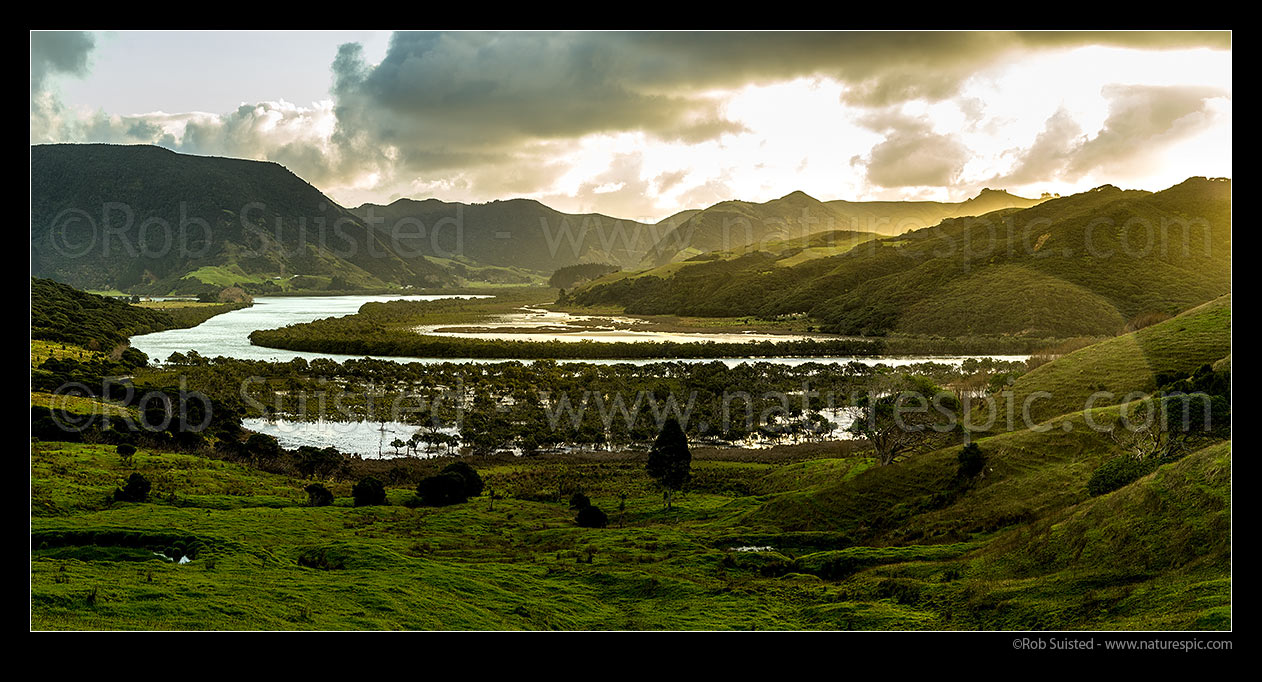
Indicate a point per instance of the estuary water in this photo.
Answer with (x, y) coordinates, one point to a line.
(228, 335)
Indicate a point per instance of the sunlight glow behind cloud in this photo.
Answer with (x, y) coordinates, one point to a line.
(1031, 120)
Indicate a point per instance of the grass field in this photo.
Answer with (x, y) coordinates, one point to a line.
(264, 560)
(42, 350)
(171, 305)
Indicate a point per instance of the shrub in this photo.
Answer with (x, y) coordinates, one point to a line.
(263, 446)
(579, 501)
(971, 461)
(318, 495)
(134, 358)
(135, 490)
(445, 488)
(125, 452)
(472, 481)
(368, 492)
(591, 517)
(313, 461)
(1118, 472)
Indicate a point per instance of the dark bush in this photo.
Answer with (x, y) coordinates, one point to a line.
(971, 461)
(368, 492)
(579, 501)
(135, 490)
(313, 461)
(134, 358)
(125, 452)
(591, 517)
(318, 495)
(47, 426)
(472, 481)
(263, 446)
(443, 489)
(1118, 472)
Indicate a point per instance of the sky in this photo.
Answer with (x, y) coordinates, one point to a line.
(642, 125)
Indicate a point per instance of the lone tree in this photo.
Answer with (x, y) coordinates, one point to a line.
(971, 461)
(909, 416)
(670, 460)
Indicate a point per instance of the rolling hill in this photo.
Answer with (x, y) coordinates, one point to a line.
(63, 314)
(1134, 362)
(148, 220)
(1081, 265)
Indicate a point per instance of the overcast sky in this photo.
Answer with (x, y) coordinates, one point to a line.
(641, 125)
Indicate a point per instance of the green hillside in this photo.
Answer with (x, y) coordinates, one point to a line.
(64, 314)
(1134, 362)
(1028, 474)
(147, 220)
(1153, 555)
(1081, 265)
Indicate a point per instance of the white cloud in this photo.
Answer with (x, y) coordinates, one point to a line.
(641, 127)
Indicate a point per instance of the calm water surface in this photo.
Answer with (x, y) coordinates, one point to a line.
(228, 335)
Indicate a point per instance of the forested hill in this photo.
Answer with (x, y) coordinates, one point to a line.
(149, 220)
(731, 224)
(63, 314)
(1073, 266)
(517, 233)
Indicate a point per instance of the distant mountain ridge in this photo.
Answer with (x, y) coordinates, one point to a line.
(148, 220)
(519, 233)
(1081, 265)
(730, 224)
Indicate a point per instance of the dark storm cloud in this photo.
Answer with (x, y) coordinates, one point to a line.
(448, 101)
(498, 113)
(451, 100)
(54, 52)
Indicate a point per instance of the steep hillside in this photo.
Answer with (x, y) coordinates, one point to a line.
(732, 224)
(1155, 554)
(1077, 265)
(148, 220)
(520, 233)
(1138, 361)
